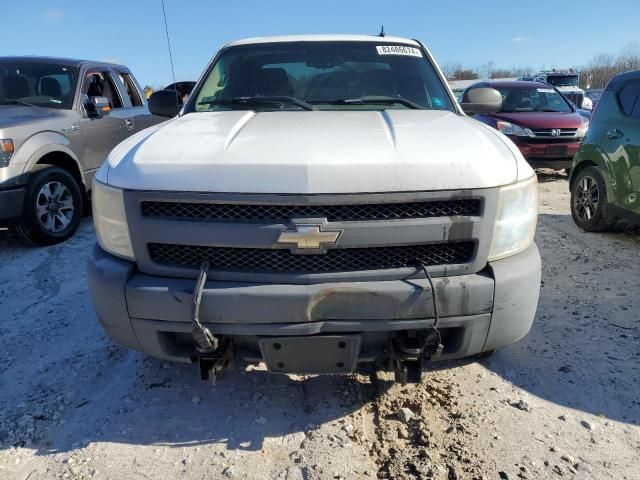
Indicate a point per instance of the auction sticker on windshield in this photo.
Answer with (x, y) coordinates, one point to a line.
(398, 50)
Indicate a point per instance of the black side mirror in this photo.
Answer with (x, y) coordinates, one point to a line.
(481, 100)
(98, 106)
(165, 103)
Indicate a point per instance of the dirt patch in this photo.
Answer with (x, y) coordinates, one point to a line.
(420, 430)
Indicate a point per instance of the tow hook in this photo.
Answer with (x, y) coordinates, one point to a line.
(213, 364)
(215, 354)
(407, 352)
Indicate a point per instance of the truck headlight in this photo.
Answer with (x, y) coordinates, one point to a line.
(513, 129)
(6, 151)
(515, 224)
(110, 220)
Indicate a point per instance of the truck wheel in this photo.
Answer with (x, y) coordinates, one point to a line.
(589, 201)
(52, 208)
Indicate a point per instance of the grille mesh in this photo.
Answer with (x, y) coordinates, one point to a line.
(250, 212)
(338, 260)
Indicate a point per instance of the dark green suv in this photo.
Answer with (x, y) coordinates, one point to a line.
(605, 174)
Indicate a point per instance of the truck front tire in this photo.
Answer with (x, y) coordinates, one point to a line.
(53, 208)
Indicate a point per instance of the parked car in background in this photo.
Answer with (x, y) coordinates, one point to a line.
(567, 82)
(594, 95)
(605, 178)
(183, 89)
(59, 118)
(538, 119)
(584, 113)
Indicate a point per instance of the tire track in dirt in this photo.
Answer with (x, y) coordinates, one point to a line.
(433, 443)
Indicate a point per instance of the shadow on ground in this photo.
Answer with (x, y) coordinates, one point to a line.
(168, 405)
(582, 351)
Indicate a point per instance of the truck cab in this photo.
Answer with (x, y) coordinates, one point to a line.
(568, 83)
(319, 202)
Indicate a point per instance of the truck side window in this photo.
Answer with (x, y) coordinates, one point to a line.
(629, 98)
(100, 84)
(131, 89)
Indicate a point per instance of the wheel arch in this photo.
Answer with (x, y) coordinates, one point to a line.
(50, 148)
(591, 155)
(63, 160)
(578, 168)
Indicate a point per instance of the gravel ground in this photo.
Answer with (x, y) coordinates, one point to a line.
(563, 402)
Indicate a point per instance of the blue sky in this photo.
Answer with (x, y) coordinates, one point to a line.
(508, 33)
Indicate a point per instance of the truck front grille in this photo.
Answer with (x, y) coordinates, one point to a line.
(333, 213)
(338, 260)
(575, 98)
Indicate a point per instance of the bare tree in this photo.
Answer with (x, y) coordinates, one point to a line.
(598, 71)
(484, 71)
(449, 68)
(519, 71)
(456, 71)
(501, 73)
(464, 74)
(595, 74)
(629, 58)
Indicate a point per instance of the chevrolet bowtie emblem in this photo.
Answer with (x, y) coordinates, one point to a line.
(309, 237)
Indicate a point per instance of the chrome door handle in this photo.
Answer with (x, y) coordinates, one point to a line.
(615, 134)
(129, 123)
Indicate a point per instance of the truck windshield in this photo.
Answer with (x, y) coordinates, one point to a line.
(563, 80)
(516, 99)
(35, 83)
(345, 75)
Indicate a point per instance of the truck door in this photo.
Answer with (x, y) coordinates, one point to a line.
(139, 115)
(102, 133)
(622, 144)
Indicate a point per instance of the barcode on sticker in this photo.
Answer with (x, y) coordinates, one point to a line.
(398, 50)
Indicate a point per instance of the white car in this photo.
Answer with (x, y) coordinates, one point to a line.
(319, 202)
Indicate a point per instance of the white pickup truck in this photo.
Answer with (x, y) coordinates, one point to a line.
(319, 202)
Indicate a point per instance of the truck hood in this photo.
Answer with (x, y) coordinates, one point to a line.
(570, 89)
(310, 152)
(15, 115)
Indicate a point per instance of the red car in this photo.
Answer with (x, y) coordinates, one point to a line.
(540, 120)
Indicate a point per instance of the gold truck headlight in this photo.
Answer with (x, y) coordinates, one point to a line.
(515, 224)
(110, 220)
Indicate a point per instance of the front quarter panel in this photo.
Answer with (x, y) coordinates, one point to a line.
(592, 153)
(32, 150)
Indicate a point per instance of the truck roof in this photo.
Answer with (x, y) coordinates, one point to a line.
(323, 38)
(71, 62)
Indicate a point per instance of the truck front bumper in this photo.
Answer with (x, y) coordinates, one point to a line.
(478, 312)
(11, 202)
(547, 155)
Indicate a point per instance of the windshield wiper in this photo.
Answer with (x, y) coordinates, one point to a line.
(374, 101)
(14, 101)
(255, 100)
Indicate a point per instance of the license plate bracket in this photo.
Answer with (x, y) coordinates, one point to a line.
(317, 354)
(557, 150)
